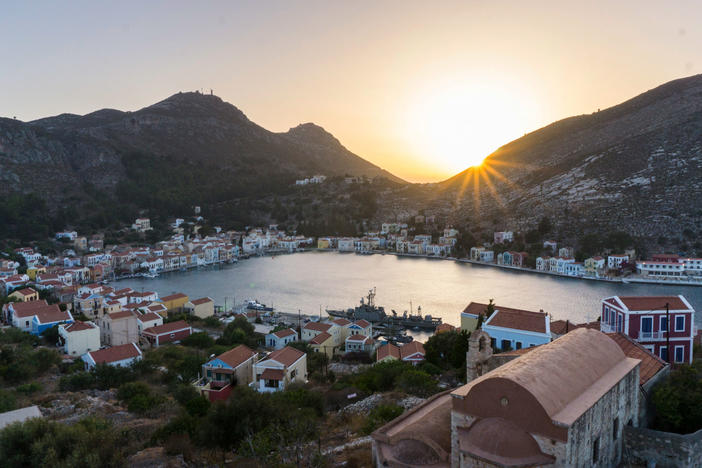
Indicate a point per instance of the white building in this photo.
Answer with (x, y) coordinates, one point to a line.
(79, 338)
(615, 261)
(501, 237)
(279, 369)
(347, 244)
(660, 269)
(122, 356)
(142, 224)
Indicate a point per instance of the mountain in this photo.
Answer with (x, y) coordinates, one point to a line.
(635, 167)
(189, 149)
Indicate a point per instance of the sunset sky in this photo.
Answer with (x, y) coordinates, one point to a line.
(422, 89)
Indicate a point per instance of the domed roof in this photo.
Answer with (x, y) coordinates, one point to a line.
(503, 442)
(559, 373)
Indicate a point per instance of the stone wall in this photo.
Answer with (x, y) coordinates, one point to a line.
(665, 449)
(602, 423)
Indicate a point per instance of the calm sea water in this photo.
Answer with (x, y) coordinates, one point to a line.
(312, 281)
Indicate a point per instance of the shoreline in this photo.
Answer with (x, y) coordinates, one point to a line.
(627, 280)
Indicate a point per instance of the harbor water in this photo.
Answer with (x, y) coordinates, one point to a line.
(313, 281)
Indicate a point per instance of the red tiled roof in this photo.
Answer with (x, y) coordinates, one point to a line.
(637, 303)
(341, 322)
(149, 316)
(167, 328)
(515, 319)
(173, 297)
(79, 326)
(27, 309)
(237, 356)
(650, 363)
(357, 338)
(362, 323)
(321, 338)
(202, 300)
(273, 374)
(444, 327)
(411, 348)
(284, 333)
(115, 353)
(388, 350)
(52, 314)
(317, 326)
(286, 356)
(120, 315)
(26, 291)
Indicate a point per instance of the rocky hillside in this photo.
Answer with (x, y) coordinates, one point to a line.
(188, 149)
(635, 167)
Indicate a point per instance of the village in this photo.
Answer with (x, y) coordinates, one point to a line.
(64, 301)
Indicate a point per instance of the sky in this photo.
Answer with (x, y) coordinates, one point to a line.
(422, 89)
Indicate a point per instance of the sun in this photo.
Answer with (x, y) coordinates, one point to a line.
(455, 125)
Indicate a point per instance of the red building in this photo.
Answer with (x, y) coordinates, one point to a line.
(167, 333)
(644, 319)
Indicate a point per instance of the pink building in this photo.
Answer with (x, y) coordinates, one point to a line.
(644, 319)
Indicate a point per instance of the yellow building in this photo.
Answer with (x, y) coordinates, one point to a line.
(32, 272)
(469, 316)
(323, 343)
(25, 295)
(175, 302)
(203, 307)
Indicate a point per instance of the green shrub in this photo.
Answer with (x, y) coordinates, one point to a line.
(212, 322)
(8, 402)
(29, 388)
(139, 397)
(39, 442)
(678, 400)
(78, 381)
(416, 382)
(198, 340)
(381, 415)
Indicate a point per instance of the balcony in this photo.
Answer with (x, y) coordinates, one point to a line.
(651, 336)
(607, 328)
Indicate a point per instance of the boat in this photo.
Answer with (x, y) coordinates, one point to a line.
(367, 310)
(416, 321)
(150, 275)
(255, 305)
(376, 315)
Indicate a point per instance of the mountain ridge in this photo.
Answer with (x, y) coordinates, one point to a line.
(639, 161)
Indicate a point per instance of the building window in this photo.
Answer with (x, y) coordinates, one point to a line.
(663, 323)
(663, 352)
(606, 314)
(293, 373)
(679, 354)
(619, 322)
(595, 450)
(615, 429)
(679, 323)
(519, 345)
(646, 327)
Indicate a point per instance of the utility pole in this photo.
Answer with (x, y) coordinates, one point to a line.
(667, 331)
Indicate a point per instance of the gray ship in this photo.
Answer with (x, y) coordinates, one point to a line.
(376, 315)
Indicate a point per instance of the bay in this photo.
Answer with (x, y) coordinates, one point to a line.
(312, 281)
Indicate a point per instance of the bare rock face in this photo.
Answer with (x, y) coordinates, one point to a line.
(636, 167)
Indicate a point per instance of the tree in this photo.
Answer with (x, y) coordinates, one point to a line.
(678, 400)
(545, 226)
